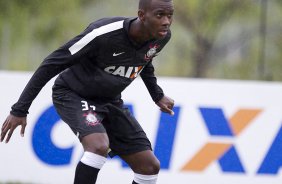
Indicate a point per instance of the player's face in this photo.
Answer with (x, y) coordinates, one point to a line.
(157, 18)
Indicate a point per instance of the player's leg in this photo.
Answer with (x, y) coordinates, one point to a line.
(145, 166)
(95, 150)
(80, 114)
(129, 141)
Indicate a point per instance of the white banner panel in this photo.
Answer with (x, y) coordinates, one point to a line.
(223, 132)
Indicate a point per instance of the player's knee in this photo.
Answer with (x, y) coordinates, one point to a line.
(98, 144)
(103, 149)
(100, 149)
(151, 168)
(155, 167)
(148, 173)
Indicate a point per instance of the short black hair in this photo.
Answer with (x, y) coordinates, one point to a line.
(143, 4)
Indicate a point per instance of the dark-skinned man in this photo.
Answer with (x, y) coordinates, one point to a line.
(94, 68)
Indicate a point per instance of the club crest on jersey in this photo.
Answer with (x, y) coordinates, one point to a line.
(91, 119)
(151, 52)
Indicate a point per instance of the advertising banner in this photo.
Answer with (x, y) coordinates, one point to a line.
(222, 132)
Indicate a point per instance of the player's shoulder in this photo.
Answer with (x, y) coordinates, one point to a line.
(106, 21)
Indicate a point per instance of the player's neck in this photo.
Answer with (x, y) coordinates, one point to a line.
(138, 33)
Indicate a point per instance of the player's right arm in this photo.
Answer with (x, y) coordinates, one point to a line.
(55, 63)
(47, 70)
(10, 125)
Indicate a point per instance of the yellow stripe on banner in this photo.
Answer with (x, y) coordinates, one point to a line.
(242, 118)
(209, 153)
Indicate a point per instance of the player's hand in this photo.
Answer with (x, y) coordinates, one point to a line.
(166, 105)
(10, 125)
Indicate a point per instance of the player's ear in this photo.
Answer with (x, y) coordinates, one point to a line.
(141, 15)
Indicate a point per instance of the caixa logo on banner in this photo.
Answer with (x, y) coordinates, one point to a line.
(216, 122)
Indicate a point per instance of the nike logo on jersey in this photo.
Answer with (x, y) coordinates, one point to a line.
(117, 54)
(125, 71)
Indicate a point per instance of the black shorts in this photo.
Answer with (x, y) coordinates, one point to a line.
(86, 116)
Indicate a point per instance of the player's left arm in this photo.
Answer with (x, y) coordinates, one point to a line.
(148, 76)
(165, 103)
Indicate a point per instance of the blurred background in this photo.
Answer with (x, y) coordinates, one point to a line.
(223, 39)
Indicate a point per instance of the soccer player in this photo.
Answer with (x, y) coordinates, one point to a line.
(94, 68)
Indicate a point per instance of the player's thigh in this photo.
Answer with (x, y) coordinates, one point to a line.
(144, 162)
(79, 113)
(125, 133)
